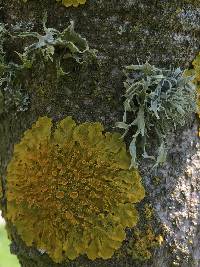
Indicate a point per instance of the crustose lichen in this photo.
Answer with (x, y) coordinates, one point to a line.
(156, 102)
(70, 190)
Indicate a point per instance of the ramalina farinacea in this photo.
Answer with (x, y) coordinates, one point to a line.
(157, 101)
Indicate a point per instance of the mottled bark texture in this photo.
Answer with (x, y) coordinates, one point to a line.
(166, 33)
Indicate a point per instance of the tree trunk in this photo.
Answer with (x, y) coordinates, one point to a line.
(164, 33)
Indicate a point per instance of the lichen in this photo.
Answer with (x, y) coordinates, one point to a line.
(72, 44)
(156, 102)
(53, 54)
(148, 211)
(144, 238)
(195, 72)
(73, 3)
(70, 191)
(12, 93)
(142, 243)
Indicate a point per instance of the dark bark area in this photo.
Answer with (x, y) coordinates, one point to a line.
(165, 33)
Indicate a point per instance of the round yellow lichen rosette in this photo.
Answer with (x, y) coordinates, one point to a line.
(70, 191)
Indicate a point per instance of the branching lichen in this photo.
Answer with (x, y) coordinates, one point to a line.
(70, 191)
(54, 50)
(68, 41)
(12, 94)
(156, 102)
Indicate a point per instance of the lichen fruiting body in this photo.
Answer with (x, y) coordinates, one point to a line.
(70, 190)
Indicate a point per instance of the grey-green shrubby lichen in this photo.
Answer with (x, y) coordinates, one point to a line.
(72, 45)
(12, 93)
(156, 102)
(58, 65)
(54, 51)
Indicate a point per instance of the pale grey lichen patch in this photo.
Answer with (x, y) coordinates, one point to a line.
(22, 26)
(180, 38)
(130, 3)
(123, 28)
(190, 18)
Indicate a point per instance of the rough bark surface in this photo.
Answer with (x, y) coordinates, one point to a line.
(166, 33)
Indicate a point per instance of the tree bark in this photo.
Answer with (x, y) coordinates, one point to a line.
(165, 33)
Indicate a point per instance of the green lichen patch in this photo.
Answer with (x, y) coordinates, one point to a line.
(156, 102)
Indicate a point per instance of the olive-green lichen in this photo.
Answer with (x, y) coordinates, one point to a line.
(195, 72)
(143, 242)
(144, 238)
(70, 191)
(73, 3)
(156, 102)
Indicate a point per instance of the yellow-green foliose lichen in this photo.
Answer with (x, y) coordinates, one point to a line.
(70, 190)
(74, 3)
